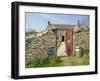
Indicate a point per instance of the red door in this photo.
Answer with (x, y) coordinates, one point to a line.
(69, 41)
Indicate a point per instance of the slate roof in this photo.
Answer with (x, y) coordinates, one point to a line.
(62, 26)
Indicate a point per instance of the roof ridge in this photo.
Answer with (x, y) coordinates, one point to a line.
(64, 24)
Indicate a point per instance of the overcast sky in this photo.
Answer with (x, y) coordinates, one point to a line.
(39, 21)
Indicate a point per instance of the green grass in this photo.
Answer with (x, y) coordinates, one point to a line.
(60, 61)
(80, 60)
(43, 62)
(74, 61)
(83, 59)
(56, 61)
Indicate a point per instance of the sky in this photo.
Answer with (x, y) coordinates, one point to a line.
(39, 21)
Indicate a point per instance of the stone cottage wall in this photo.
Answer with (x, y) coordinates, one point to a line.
(81, 39)
(37, 44)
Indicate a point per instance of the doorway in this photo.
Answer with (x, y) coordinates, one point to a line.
(62, 38)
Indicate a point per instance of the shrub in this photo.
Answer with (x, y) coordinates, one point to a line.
(84, 51)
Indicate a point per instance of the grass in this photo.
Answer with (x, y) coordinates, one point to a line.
(80, 60)
(74, 61)
(43, 62)
(53, 61)
(58, 61)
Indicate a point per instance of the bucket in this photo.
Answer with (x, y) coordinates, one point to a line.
(78, 51)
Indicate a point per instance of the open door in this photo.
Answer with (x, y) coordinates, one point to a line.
(69, 41)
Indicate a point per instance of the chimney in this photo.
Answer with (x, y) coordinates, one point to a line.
(48, 22)
(78, 23)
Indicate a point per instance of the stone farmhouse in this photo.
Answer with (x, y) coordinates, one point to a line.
(47, 42)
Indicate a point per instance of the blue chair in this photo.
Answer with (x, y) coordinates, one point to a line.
(51, 51)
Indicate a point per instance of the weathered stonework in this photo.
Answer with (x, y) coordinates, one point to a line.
(38, 43)
(81, 39)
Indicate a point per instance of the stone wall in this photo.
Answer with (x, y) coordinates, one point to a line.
(37, 44)
(81, 39)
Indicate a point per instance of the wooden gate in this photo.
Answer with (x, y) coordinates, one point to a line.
(69, 41)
